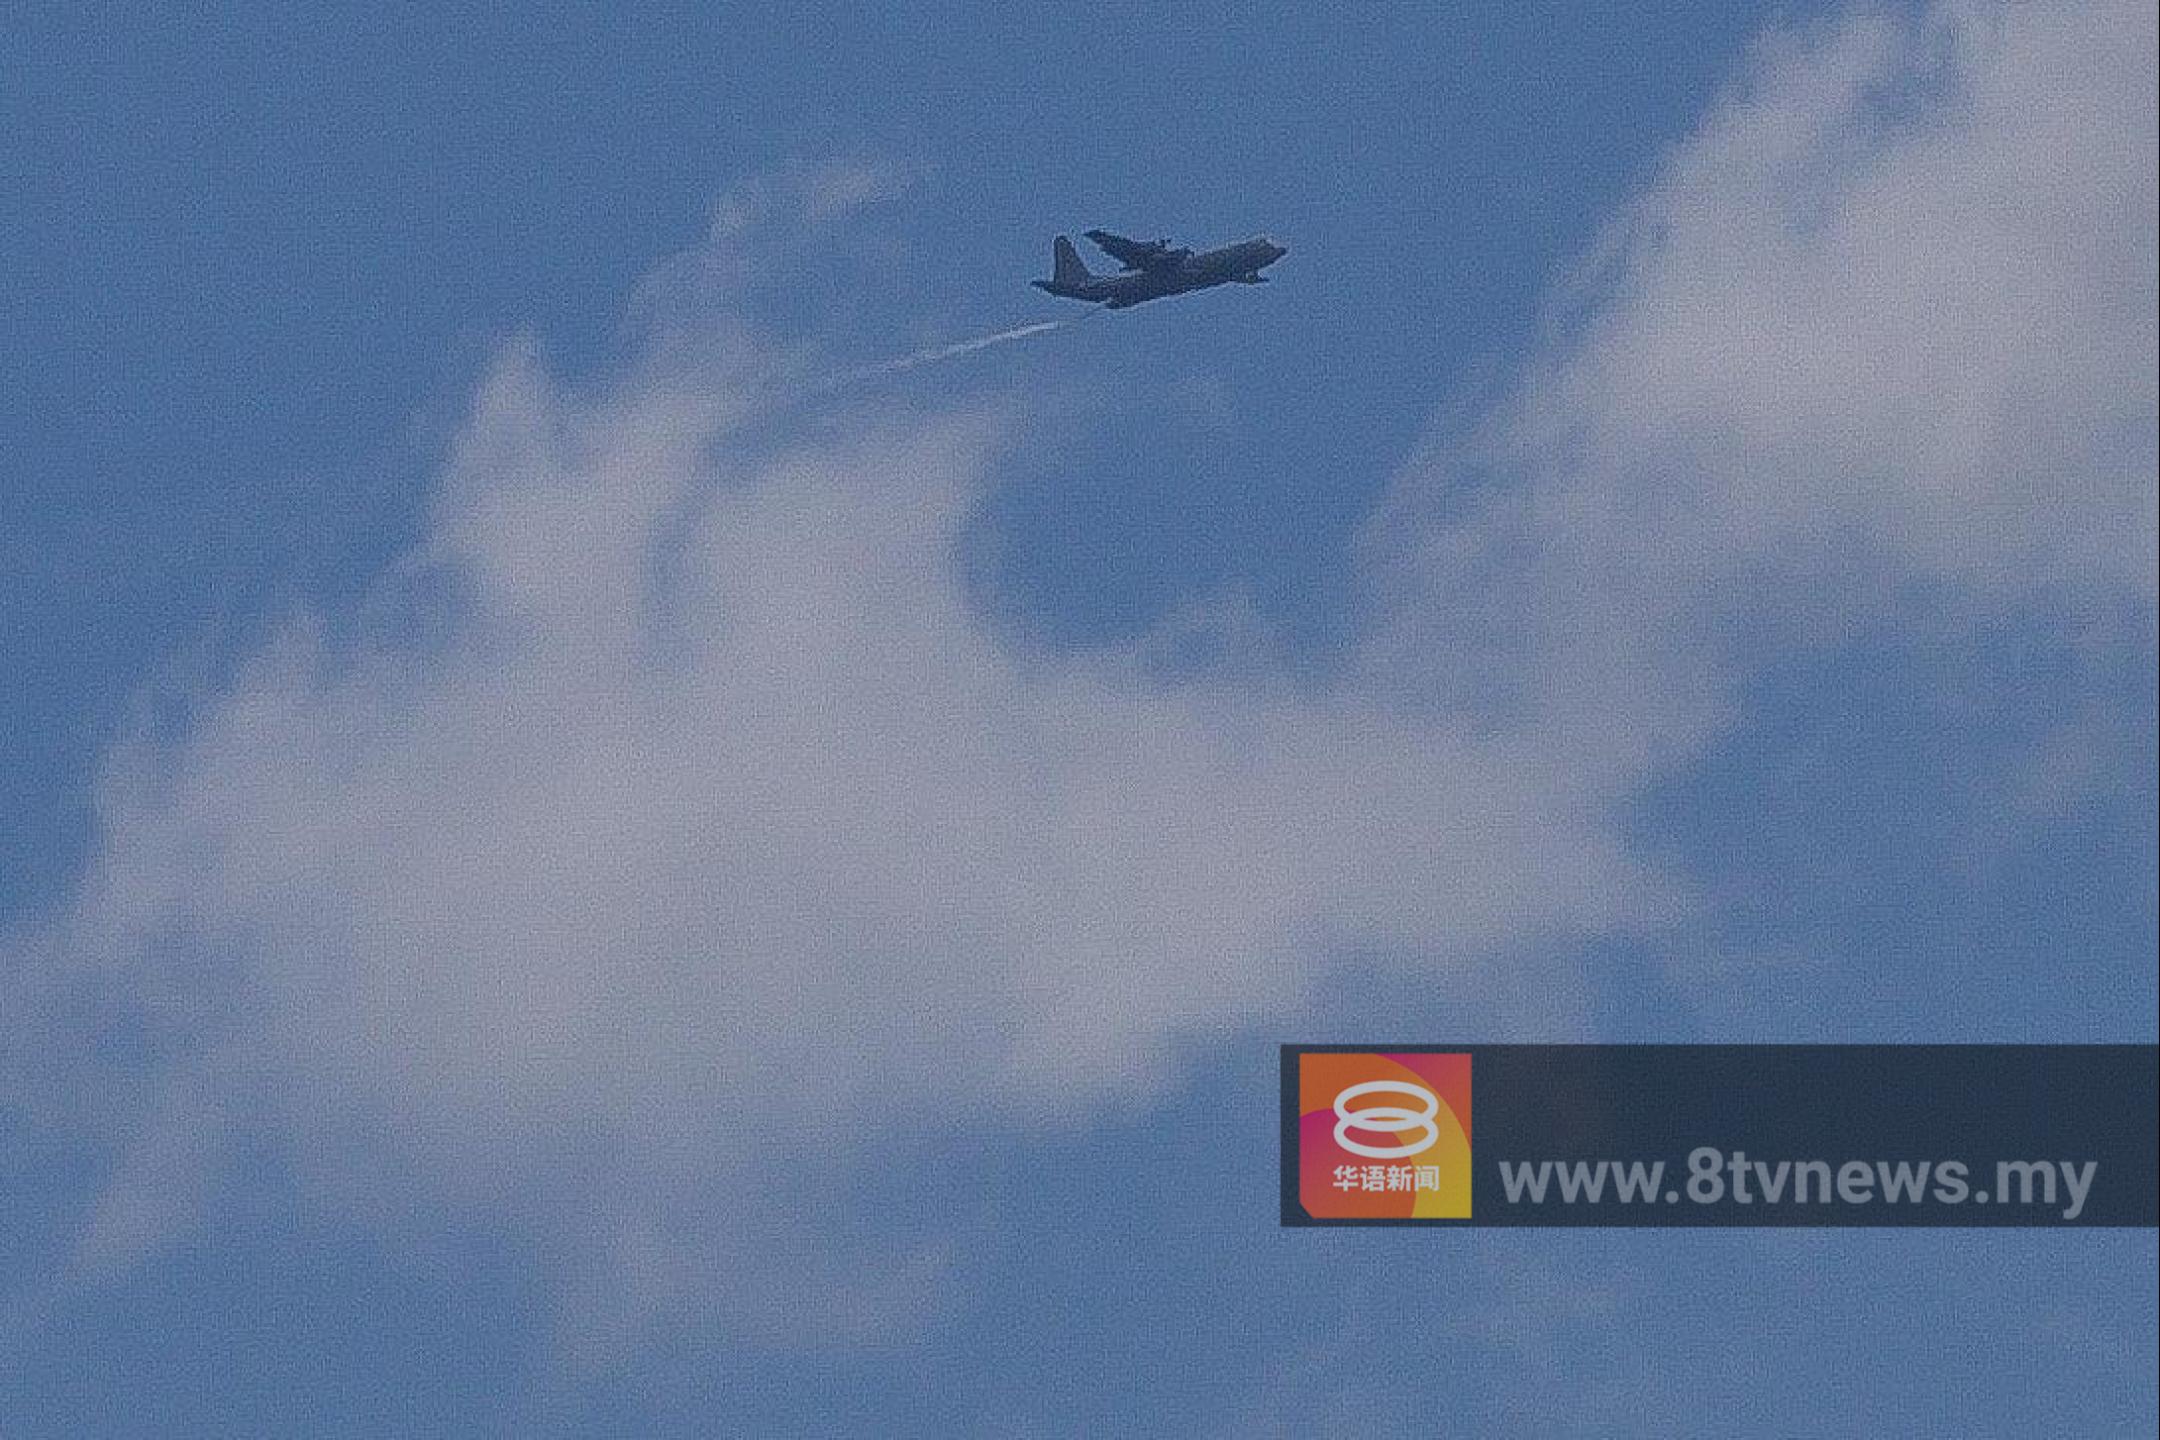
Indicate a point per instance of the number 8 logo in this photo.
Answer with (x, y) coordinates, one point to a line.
(1387, 1119)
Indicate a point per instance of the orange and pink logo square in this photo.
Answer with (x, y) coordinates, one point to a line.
(1384, 1136)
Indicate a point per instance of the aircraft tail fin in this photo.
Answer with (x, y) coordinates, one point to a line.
(1070, 269)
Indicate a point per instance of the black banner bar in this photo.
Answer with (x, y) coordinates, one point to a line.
(1635, 1135)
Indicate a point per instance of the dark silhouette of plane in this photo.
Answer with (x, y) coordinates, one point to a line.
(1154, 268)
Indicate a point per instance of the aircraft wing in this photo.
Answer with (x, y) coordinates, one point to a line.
(1139, 254)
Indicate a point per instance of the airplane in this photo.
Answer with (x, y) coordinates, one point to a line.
(1154, 268)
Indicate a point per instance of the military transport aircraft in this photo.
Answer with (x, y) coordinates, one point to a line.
(1154, 268)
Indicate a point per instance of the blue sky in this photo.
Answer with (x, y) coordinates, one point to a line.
(562, 876)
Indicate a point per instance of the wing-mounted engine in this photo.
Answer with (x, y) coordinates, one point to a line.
(1140, 254)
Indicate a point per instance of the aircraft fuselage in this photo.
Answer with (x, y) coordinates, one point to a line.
(1238, 264)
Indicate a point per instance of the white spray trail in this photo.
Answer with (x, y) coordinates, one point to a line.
(948, 352)
(962, 347)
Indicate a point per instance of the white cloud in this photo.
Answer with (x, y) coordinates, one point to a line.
(1880, 332)
(782, 816)
(1931, 333)
(707, 822)
(709, 810)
